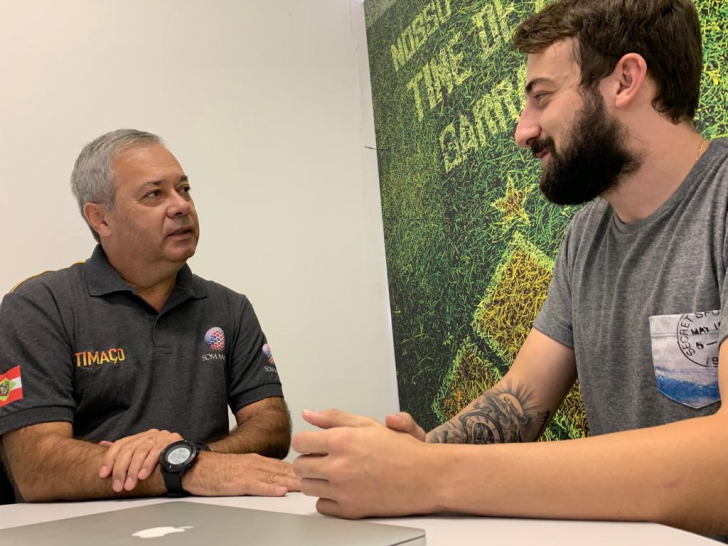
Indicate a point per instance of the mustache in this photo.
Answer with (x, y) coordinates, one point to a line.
(181, 227)
(541, 144)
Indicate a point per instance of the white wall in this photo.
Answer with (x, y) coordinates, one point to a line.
(267, 106)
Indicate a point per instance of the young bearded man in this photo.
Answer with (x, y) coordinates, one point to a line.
(634, 309)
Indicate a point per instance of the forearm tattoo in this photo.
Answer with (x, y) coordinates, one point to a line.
(502, 415)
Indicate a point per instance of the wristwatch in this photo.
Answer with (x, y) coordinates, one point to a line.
(176, 459)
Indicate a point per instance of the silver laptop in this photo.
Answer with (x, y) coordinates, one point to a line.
(196, 524)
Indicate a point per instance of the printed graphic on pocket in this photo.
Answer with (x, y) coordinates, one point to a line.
(685, 357)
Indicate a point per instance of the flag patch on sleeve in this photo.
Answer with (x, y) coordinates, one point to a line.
(11, 387)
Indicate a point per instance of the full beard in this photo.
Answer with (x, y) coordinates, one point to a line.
(594, 158)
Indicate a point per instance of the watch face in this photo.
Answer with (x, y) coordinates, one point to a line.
(179, 455)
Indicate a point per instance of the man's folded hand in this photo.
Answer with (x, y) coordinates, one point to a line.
(134, 458)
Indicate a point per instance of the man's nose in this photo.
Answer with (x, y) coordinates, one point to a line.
(527, 130)
(179, 206)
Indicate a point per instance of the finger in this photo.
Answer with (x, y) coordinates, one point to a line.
(312, 442)
(287, 471)
(328, 507)
(150, 463)
(310, 466)
(336, 418)
(291, 483)
(266, 488)
(123, 460)
(106, 443)
(259, 465)
(138, 459)
(316, 488)
(107, 463)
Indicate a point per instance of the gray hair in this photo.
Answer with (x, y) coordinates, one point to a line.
(92, 179)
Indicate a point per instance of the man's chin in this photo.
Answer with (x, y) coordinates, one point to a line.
(181, 253)
(562, 198)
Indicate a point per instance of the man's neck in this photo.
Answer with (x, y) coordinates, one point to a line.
(157, 294)
(668, 153)
(153, 283)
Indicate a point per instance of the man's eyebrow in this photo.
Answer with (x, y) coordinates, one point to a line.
(534, 82)
(151, 183)
(182, 178)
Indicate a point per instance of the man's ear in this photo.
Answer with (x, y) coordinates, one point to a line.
(95, 215)
(630, 80)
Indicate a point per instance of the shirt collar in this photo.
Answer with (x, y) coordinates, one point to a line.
(102, 279)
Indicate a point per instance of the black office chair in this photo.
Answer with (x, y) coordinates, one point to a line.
(7, 495)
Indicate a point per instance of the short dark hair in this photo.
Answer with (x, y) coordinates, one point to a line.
(665, 32)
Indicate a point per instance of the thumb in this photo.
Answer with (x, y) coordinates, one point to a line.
(336, 418)
(403, 422)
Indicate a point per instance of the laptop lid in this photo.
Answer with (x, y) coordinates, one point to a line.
(196, 524)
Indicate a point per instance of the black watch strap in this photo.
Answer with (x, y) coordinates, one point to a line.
(173, 483)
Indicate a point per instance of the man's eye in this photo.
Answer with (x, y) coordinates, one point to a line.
(154, 193)
(186, 189)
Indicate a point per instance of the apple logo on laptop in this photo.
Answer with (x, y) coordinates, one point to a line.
(156, 532)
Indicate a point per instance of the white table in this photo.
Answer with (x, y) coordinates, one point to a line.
(441, 530)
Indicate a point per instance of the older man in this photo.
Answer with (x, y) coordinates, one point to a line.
(635, 307)
(119, 371)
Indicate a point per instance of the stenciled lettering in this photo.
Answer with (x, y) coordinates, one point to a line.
(494, 114)
(424, 25)
(441, 74)
(492, 25)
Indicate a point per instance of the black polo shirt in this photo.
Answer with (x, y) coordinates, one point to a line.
(80, 345)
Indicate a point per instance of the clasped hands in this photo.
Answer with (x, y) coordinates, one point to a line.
(359, 467)
(134, 458)
(347, 464)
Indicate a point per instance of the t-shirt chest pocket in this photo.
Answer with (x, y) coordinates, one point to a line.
(685, 356)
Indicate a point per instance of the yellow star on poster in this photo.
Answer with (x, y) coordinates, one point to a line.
(511, 204)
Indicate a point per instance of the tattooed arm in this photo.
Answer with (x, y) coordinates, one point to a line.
(673, 474)
(520, 406)
(499, 416)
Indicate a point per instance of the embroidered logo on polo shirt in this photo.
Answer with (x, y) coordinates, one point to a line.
(215, 339)
(269, 355)
(96, 358)
(11, 386)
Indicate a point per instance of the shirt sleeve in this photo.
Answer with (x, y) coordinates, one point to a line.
(36, 376)
(556, 319)
(253, 375)
(723, 332)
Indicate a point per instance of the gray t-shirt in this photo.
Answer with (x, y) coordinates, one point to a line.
(643, 304)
